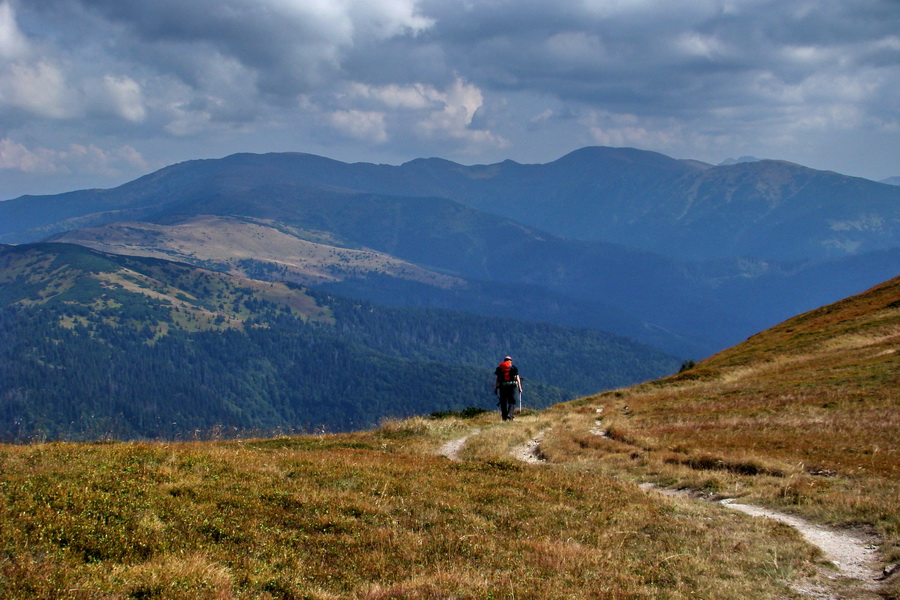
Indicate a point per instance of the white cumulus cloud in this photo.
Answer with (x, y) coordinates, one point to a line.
(361, 125)
(38, 88)
(126, 97)
(12, 43)
(74, 158)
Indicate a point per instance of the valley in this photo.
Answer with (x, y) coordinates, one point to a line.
(106, 346)
(290, 258)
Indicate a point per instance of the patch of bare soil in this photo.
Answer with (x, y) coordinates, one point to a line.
(853, 554)
(530, 452)
(598, 428)
(452, 448)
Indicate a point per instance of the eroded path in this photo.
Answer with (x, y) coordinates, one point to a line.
(854, 555)
(452, 448)
(530, 451)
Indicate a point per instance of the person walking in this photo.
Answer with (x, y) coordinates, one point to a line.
(506, 382)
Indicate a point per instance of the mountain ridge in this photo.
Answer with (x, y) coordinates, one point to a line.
(620, 195)
(431, 213)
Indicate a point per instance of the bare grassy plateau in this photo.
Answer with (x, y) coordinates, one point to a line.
(803, 418)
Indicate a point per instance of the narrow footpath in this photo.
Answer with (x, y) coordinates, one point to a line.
(452, 448)
(854, 555)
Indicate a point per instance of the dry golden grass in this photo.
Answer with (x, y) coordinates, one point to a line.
(371, 516)
(310, 257)
(802, 417)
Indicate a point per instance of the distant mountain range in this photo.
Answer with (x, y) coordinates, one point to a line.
(679, 254)
(419, 217)
(765, 209)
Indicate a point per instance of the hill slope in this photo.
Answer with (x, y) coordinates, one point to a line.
(95, 345)
(833, 372)
(377, 515)
(248, 246)
(432, 252)
(801, 417)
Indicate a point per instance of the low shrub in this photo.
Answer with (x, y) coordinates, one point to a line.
(467, 413)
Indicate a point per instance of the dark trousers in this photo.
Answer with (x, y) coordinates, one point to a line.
(507, 401)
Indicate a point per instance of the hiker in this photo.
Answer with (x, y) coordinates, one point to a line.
(505, 384)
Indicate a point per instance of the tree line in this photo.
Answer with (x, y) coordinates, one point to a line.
(104, 381)
(203, 353)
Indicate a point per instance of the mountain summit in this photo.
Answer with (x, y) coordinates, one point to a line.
(765, 209)
(679, 254)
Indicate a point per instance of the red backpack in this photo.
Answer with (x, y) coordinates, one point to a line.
(506, 373)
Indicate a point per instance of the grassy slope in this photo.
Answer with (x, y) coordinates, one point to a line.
(298, 255)
(803, 417)
(356, 516)
(378, 515)
(67, 274)
(811, 403)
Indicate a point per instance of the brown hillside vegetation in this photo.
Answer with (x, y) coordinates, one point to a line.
(236, 245)
(817, 394)
(357, 517)
(801, 417)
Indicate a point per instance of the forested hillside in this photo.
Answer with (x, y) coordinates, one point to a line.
(682, 255)
(579, 359)
(100, 381)
(95, 345)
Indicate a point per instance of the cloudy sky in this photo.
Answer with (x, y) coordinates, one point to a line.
(94, 93)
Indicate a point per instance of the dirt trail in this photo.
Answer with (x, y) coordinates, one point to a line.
(452, 448)
(853, 554)
(530, 451)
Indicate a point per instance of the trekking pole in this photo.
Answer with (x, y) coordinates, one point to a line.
(520, 402)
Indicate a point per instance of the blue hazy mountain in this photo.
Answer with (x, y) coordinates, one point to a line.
(763, 209)
(684, 255)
